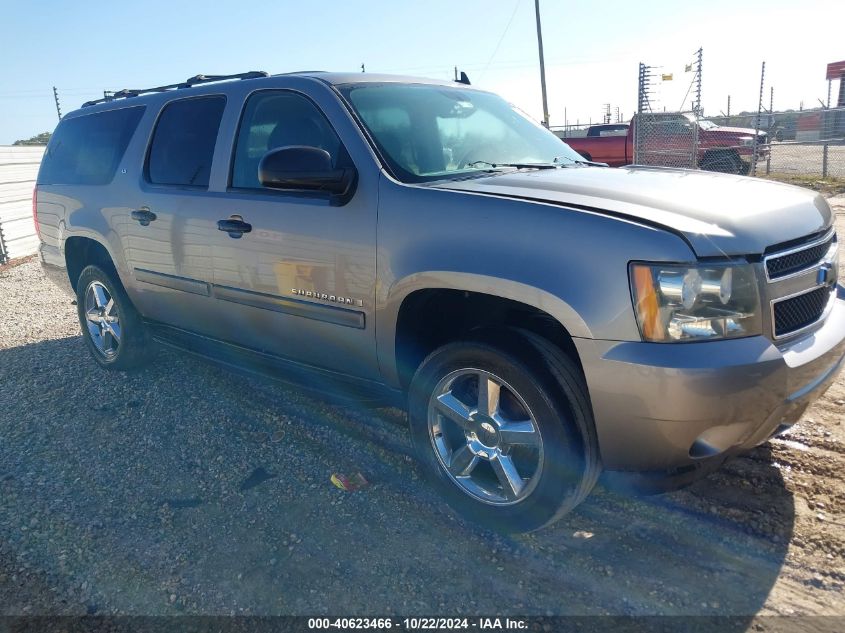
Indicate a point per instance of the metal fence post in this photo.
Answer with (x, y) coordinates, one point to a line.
(695, 143)
(636, 123)
(753, 170)
(824, 129)
(824, 160)
(3, 257)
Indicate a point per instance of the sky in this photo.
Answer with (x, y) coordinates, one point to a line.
(592, 48)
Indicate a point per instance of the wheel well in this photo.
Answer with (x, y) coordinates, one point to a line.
(717, 153)
(586, 155)
(81, 252)
(431, 318)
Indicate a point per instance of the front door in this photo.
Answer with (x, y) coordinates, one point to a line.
(300, 284)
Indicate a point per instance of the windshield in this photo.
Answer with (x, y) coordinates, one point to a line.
(428, 132)
(702, 123)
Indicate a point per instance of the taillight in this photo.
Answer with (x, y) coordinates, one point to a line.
(35, 211)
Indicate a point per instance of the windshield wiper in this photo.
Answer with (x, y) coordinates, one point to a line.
(514, 165)
(579, 162)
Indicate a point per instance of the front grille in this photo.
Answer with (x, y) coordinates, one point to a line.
(795, 261)
(798, 312)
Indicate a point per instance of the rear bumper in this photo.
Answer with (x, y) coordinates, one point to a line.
(53, 265)
(676, 407)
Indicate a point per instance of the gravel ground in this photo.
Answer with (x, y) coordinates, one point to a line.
(183, 488)
(792, 158)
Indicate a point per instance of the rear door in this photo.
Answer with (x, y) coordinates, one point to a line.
(170, 225)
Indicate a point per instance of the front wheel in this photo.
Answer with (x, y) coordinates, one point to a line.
(111, 326)
(505, 431)
(726, 162)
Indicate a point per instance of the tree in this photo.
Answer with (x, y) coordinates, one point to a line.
(40, 139)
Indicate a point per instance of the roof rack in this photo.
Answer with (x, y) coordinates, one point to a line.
(193, 81)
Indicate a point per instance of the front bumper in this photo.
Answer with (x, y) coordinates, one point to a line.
(662, 407)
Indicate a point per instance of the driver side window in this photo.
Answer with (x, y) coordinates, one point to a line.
(278, 118)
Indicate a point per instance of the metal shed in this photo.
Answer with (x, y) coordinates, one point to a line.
(18, 170)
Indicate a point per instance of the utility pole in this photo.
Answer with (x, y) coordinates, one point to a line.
(542, 64)
(729, 106)
(56, 97)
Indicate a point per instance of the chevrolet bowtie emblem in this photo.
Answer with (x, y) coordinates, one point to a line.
(826, 276)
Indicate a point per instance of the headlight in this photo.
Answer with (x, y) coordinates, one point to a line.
(747, 141)
(676, 302)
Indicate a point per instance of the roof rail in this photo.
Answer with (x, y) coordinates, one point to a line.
(192, 81)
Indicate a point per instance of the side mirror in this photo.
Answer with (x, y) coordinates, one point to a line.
(302, 168)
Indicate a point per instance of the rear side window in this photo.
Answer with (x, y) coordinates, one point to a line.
(86, 150)
(183, 142)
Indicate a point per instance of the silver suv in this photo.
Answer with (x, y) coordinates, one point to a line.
(389, 239)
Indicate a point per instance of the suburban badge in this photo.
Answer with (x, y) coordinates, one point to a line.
(323, 296)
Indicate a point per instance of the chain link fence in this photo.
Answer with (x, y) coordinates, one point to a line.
(800, 142)
(682, 139)
(666, 139)
(790, 143)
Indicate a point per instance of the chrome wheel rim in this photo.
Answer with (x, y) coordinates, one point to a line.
(485, 436)
(102, 319)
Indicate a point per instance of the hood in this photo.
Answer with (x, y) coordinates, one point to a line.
(733, 131)
(718, 214)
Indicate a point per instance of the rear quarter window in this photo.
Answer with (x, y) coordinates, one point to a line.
(86, 150)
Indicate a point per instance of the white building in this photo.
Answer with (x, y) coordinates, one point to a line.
(18, 170)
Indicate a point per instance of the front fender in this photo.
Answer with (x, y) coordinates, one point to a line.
(469, 282)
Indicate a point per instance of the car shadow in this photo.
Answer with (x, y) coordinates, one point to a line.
(186, 488)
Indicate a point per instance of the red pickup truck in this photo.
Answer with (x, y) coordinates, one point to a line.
(668, 140)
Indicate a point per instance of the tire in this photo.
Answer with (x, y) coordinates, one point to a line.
(113, 331)
(539, 385)
(722, 162)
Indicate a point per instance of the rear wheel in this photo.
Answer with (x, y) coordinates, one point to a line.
(505, 431)
(111, 327)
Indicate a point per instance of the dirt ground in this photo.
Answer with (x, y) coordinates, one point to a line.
(185, 489)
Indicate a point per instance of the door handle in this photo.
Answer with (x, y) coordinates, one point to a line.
(144, 216)
(234, 226)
